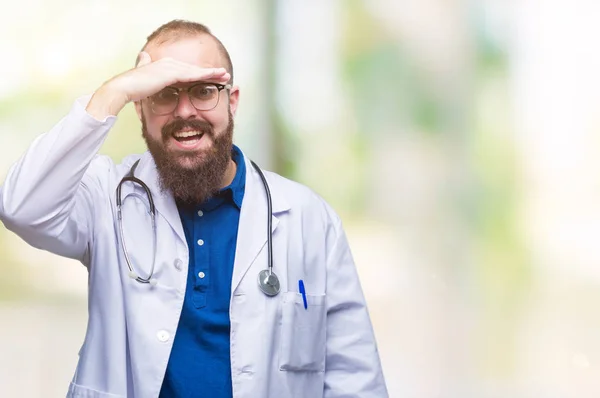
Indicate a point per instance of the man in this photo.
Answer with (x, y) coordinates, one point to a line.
(176, 304)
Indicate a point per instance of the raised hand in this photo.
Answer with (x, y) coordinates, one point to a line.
(147, 78)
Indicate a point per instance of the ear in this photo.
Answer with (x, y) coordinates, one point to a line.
(234, 96)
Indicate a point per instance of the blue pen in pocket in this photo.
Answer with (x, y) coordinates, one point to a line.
(303, 293)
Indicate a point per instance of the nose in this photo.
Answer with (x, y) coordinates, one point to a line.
(185, 109)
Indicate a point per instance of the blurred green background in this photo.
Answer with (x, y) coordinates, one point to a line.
(457, 139)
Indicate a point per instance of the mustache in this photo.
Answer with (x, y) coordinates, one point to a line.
(178, 125)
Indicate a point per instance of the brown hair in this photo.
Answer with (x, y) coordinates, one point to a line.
(179, 28)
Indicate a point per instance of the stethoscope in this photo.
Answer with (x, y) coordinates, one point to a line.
(268, 282)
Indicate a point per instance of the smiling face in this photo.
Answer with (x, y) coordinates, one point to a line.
(191, 147)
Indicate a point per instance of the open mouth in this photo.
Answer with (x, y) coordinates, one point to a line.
(190, 140)
(188, 136)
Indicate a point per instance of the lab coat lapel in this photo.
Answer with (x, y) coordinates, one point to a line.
(164, 202)
(252, 231)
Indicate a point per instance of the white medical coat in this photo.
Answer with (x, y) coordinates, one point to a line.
(60, 197)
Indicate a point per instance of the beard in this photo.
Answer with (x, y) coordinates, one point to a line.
(203, 174)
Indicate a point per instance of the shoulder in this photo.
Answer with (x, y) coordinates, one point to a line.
(303, 198)
(103, 170)
(105, 164)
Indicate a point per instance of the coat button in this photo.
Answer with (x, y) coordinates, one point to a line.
(163, 336)
(178, 264)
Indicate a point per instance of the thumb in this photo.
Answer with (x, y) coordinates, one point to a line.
(143, 59)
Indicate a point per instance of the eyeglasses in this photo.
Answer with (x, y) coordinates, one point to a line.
(203, 96)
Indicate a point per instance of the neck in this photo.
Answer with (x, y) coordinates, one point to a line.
(229, 174)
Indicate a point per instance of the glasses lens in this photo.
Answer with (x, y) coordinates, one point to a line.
(165, 101)
(204, 96)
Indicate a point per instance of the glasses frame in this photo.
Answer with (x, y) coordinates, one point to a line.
(178, 90)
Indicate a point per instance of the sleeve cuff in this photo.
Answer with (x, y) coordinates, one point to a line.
(80, 105)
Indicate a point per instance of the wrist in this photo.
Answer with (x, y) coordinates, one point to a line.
(105, 102)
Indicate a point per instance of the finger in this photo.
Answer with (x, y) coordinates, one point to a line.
(193, 74)
(222, 80)
(144, 59)
(214, 75)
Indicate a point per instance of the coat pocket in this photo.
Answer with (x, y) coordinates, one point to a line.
(303, 333)
(78, 391)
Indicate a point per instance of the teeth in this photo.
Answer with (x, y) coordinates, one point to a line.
(184, 134)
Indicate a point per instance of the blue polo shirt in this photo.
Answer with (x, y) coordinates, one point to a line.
(199, 365)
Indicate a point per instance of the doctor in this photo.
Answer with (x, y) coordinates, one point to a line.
(184, 299)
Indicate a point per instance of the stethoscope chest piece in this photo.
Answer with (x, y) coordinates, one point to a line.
(268, 282)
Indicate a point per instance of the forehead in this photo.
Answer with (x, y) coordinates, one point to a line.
(199, 50)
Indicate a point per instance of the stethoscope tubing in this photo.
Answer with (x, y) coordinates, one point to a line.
(269, 216)
(269, 286)
(152, 211)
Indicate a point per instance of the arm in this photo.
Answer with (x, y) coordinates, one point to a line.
(46, 198)
(352, 365)
(49, 194)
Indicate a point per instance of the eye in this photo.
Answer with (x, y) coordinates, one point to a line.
(165, 96)
(204, 92)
